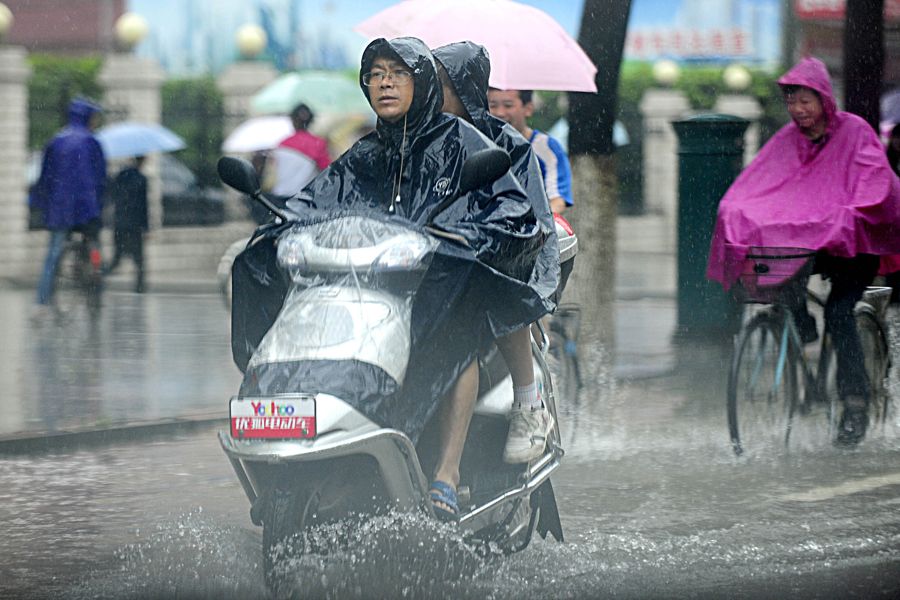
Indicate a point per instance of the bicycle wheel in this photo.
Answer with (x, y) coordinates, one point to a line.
(79, 285)
(827, 397)
(562, 370)
(875, 347)
(762, 385)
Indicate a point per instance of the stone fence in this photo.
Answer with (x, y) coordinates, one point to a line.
(132, 88)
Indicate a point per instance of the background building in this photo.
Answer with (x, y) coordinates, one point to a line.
(69, 27)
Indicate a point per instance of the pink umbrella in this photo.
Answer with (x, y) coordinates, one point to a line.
(529, 50)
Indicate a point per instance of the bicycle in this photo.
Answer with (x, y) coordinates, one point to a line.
(80, 276)
(563, 353)
(772, 380)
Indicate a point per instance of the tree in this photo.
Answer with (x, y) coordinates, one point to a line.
(864, 58)
(595, 183)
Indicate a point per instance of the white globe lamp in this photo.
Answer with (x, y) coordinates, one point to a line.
(130, 29)
(666, 72)
(251, 40)
(6, 20)
(737, 78)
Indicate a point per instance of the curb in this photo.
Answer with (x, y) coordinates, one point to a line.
(41, 442)
(200, 285)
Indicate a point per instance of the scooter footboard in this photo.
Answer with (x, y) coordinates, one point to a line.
(259, 466)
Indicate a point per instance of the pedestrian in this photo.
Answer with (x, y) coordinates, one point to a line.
(516, 107)
(298, 158)
(893, 149)
(69, 190)
(890, 265)
(129, 195)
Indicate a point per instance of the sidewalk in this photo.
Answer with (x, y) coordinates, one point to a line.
(161, 361)
(645, 309)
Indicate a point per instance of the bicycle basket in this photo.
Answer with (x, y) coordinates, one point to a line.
(768, 270)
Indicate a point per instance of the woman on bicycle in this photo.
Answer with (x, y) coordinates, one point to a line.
(822, 182)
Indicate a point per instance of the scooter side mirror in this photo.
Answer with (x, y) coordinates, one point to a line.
(481, 168)
(239, 174)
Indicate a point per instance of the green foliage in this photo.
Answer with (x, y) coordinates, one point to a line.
(54, 81)
(702, 85)
(549, 107)
(194, 109)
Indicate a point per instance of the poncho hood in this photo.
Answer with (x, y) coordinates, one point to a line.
(469, 67)
(80, 112)
(428, 96)
(812, 73)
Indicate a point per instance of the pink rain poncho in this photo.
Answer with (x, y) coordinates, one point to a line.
(838, 195)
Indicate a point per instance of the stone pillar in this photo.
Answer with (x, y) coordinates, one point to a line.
(659, 107)
(746, 107)
(15, 246)
(132, 93)
(239, 82)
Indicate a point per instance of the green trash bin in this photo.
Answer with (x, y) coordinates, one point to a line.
(710, 157)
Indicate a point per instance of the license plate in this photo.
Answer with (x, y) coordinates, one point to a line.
(287, 417)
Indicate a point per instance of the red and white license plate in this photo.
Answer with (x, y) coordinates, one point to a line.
(283, 417)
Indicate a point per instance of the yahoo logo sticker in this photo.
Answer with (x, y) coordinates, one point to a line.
(271, 410)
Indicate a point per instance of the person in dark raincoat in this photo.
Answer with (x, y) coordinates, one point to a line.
(69, 191)
(472, 293)
(130, 220)
(464, 69)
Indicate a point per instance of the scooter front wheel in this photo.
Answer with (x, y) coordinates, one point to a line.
(288, 512)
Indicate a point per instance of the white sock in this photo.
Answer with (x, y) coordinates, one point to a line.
(526, 397)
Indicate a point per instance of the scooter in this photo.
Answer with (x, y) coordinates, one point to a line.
(306, 459)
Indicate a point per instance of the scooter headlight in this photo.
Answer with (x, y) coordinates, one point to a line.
(291, 254)
(407, 253)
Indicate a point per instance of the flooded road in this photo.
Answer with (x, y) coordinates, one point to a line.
(654, 503)
(149, 358)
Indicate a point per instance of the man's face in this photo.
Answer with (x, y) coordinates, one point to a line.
(391, 88)
(806, 109)
(506, 105)
(94, 120)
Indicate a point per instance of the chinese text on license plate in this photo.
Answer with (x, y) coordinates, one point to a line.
(274, 417)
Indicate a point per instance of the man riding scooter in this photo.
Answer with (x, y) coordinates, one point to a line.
(406, 168)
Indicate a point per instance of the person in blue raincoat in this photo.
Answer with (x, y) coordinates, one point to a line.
(473, 292)
(69, 191)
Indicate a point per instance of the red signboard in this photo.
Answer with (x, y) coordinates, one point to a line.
(828, 10)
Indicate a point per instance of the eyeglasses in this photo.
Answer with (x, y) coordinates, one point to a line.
(399, 77)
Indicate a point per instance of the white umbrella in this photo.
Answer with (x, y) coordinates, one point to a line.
(129, 138)
(258, 133)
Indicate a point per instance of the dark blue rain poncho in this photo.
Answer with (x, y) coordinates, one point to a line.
(471, 293)
(469, 68)
(73, 173)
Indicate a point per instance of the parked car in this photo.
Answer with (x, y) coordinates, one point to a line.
(184, 200)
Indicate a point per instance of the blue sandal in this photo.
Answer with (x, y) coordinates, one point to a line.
(445, 494)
